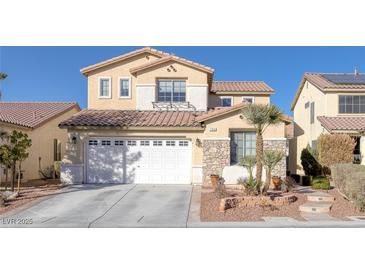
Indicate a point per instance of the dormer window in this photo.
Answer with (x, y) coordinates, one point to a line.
(105, 87)
(171, 90)
(125, 87)
(226, 101)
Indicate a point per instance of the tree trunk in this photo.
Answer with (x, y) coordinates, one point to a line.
(266, 185)
(19, 175)
(13, 171)
(6, 178)
(259, 152)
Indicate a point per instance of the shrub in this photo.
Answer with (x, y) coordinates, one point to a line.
(306, 180)
(321, 182)
(335, 149)
(350, 181)
(310, 164)
(251, 186)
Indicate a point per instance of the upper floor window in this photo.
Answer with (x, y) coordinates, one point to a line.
(248, 99)
(312, 112)
(226, 101)
(351, 104)
(105, 87)
(171, 91)
(125, 87)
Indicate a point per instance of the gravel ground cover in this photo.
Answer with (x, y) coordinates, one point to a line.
(342, 207)
(29, 194)
(210, 205)
(209, 210)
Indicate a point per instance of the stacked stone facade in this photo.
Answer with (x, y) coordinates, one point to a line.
(216, 155)
(280, 169)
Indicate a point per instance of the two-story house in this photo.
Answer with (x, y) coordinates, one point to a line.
(157, 118)
(328, 103)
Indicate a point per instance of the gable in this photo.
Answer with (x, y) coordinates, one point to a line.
(172, 69)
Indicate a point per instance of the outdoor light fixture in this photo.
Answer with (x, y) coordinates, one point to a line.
(198, 142)
(74, 140)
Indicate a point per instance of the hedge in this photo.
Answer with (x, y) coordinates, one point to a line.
(335, 149)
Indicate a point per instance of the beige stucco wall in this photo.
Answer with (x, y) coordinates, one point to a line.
(148, 76)
(120, 69)
(304, 131)
(220, 127)
(42, 144)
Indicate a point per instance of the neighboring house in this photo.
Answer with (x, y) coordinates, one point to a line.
(328, 103)
(40, 121)
(154, 118)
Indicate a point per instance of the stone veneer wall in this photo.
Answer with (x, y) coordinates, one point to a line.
(216, 155)
(280, 169)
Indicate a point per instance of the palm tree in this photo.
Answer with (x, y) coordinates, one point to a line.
(2, 77)
(261, 116)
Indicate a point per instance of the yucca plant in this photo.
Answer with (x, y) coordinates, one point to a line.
(248, 162)
(261, 116)
(270, 159)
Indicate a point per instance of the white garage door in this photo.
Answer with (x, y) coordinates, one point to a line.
(152, 161)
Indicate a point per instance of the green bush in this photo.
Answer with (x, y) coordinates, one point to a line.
(350, 181)
(309, 163)
(321, 182)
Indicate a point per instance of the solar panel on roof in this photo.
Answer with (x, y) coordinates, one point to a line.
(345, 78)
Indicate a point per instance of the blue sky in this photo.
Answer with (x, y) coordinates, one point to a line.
(52, 73)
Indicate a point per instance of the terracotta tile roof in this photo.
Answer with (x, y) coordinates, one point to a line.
(240, 86)
(133, 118)
(171, 58)
(143, 50)
(319, 80)
(32, 114)
(353, 123)
(216, 112)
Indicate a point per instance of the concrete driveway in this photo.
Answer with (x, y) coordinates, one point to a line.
(109, 206)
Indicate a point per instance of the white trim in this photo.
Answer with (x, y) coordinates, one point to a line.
(196, 165)
(275, 139)
(251, 97)
(110, 87)
(130, 87)
(196, 85)
(146, 85)
(226, 97)
(217, 138)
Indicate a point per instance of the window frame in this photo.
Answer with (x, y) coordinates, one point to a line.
(129, 87)
(172, 91)
(245, 133)
(221, 98)
(248, 97)
(352, 104)
(110, 87)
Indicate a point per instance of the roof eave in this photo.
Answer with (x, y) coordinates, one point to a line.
(140, 128)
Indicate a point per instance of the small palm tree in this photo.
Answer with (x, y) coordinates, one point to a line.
(261, 116)
(2, 77)
(270, 159)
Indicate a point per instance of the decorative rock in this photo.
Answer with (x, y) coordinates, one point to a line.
(252, 201)
(216, 155)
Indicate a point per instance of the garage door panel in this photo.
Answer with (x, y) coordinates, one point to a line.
(119, 160)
